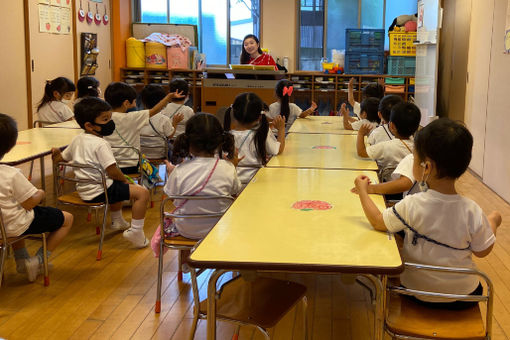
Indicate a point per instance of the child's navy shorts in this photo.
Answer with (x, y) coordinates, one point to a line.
(46, 219)
(117, 192)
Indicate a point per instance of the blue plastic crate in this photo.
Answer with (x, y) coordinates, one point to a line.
(364, 40)
(364, 63)
(401, 66)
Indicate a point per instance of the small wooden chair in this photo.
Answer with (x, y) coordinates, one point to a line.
(259, 301)
(73, 198)
(179, 243)
(6, 242)
(408, 319)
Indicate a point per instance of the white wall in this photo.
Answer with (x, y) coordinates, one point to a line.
(13, 84)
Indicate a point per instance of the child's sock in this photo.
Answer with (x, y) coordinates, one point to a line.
(117, 216)
(20, 255)
(137, 224)
(39, 254)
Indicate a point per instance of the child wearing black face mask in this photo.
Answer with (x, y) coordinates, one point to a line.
(94, 116)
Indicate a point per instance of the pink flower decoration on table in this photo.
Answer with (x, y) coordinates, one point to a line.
(309, 205)
(22, 143)
(324, 147)
(329, 123)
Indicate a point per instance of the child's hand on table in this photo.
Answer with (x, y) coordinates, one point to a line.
(279, 122)
(365, 129)
(369, 190)
(361, 184)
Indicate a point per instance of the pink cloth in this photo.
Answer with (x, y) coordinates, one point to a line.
(169, 40)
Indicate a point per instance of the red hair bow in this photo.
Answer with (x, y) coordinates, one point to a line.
(288, 90)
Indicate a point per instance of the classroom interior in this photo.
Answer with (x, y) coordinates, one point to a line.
(115, 297)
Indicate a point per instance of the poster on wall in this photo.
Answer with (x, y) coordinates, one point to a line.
(56, 3)
(66, 3)
(44, 18)
(507, 30)
(56, 27)
(65, 20)
(46, 2)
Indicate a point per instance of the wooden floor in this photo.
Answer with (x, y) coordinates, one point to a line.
(114, 298)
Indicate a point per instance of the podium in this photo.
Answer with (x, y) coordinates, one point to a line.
(221, 86)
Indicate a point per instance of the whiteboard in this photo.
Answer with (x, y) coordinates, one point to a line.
(141, 30)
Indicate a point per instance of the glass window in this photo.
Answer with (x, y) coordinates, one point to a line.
(180, 14)
(311, 34)
(213, 31)
(244, 20)
(341, 15)
(154, 11)
(372, 12)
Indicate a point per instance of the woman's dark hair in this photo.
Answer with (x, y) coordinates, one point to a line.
(204, 133)
(87, 87)
(448, 144)
(117, 92)
(386, 103)
(246, 109)
(8, 133)
(60, 84)
(284, 100)
(88, 109)
(245, 57)
(406, 117)
(151, 95)
(370, 106)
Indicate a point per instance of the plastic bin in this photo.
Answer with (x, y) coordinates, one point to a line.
(395, 81)
(364, 63)
(401, 66)
(364, 40)
(402, 43)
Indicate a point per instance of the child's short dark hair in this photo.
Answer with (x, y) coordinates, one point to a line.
(88, 109)
(151, 95)
(370, 106)
(87, 87)
(406, 117)
(204, 133)
(387, 103)
(117, 92)
(8, 133)
(373, 90)
(179, 85)
(448, 144)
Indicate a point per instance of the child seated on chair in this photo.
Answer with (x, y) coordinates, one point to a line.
(177, 105)
(94, 115)
(441, 227)
(375, 90)
(204, 173)
(20, 210)
(404, 121)
(122, 97)
(368, 115)
(159, 126)
(382, 133)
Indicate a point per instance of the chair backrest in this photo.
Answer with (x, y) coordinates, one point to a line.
(488, 297)
(165, 143)
(3, 232)
(61, 176)
(139, 154)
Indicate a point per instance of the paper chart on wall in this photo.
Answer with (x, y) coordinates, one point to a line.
(65, 20)
(56, 27)
(44, 18)
(56, 3)
(46, 2)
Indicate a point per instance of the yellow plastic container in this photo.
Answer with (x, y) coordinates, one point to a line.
(401, 43)
(328, 66)
(135, 53)
(412, 81)
(155, 55)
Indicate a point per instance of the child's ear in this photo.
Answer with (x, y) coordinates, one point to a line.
(363, 115)
(56, 95)
(89, 127)
(392, 127)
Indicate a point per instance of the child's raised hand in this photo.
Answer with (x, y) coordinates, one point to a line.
(343, 110)
(365, 129)
(176, 94)
(235, 158)
(169, 168)
(351, 83)
(177, 119)
(361, 184)
(279, 122)
(313, 106)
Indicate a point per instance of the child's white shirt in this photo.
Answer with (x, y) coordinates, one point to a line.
(388, 154)
(380, 134)
(294, 113)
(245, 145)
(88, 149)
(356, 108)
(172, 109)
(450, 219)
(187, 178)
(55, 111)
(405, 168)
(154, 147)
(357, 124)
(14, 190)
(128, 125)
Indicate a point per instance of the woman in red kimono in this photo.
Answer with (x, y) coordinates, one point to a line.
(252, 54)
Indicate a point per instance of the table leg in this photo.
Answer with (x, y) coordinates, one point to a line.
(379, 306)
(43, 174)
(211, 303)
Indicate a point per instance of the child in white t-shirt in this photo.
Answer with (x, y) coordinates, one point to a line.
(374, 90)
(441, 227)
(177, 105)
(54, 106)
(155, 135)
(283, 107)
(204, 173)
(94, 115)
(382, 133)
(404, 121)
(254, 141)
(20, 210)
(122, 97)
(368, 115)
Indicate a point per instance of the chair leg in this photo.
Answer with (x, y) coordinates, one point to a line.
(45, 261)
(89, 215)
(196, 303)
(236, 333)
(264, 332)
(31, 170)
(305, 317)
(101, 239)
(157, 308)
(3, 255)
(179, 270)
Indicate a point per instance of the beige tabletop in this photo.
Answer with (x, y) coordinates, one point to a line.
(322, 151)
(320, 124)
(269, 227)
(70, 124)
(35, 143)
